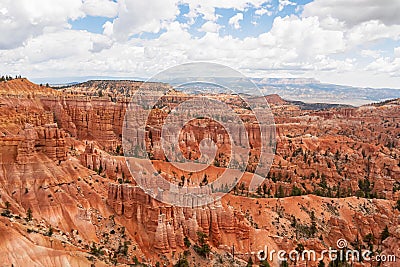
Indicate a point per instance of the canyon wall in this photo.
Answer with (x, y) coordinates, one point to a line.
(166, 226)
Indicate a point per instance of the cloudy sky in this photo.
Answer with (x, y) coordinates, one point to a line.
(353, 42)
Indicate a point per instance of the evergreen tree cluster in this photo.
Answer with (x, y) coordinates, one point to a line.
(5, 78)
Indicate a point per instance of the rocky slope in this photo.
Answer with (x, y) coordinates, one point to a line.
(67, 195)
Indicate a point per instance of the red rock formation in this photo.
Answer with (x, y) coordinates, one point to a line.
(24, 88)
(174, 223)
(47, 139)
(51, 146)
(391, 245)
(90, 119)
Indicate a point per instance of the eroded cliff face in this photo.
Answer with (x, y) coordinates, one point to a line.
(248, 225)
(47, 139)
(337, 148)
(89, 119)
(53, 208)
(166, 226)
(61, 158)
(390, 245)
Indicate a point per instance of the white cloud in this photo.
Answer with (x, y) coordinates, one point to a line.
(102, 8)
(284, 3)
(356, 11)
(55, 46)
(22, 19)
(397, 52)
(263, 11)
(138, 16)
(108, 28)
(206, 9)
(58, 46)
(235, 20)
(293, 45)
(330, 23)
(371, 31)
(176, 35)
(385, 65)
(305, 36)
(203, 8)
(99, 43)
(371, 53)
(210, 26)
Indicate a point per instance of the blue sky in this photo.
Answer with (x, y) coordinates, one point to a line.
(251, 25)
(275, 38)
(90, 24)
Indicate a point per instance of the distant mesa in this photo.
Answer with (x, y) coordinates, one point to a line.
(275, 99)
(286, 81)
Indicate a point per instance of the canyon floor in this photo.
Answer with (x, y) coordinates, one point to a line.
(68, 198)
